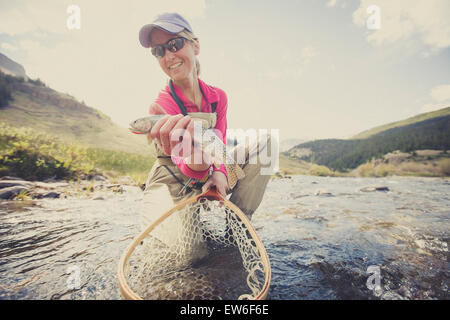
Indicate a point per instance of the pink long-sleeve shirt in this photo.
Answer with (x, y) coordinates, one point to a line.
(210, 95)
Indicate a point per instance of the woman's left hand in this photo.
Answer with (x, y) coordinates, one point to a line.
(218, 180)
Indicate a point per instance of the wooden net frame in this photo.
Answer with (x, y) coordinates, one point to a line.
(258, 294)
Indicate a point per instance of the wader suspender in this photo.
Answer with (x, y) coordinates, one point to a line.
(196, 185)
(180, 103)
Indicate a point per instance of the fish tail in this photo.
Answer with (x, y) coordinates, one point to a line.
(234, 173)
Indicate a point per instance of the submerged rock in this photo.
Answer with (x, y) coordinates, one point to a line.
(52, 195)
(373, 189)
(323, 193)
(281, 175)
(9, 193)
(15, 183)
(298, 195)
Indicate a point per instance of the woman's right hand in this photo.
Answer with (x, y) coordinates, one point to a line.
(166, 132)
(174, 134)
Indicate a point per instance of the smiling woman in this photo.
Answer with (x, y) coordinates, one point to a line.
(179, 173)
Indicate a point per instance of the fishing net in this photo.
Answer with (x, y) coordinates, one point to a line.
(204, 248)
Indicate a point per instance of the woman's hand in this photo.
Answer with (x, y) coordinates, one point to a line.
(218, 180)
(174, 134)
(170, 131)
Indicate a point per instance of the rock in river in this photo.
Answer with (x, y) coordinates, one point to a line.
(323, 193)
(51, 195)
(373, 189)
(11, 178)
(8, 193)
(15, 183)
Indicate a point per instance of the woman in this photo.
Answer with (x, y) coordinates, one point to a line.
(176, 48)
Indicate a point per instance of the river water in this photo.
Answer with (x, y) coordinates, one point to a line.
(342, 244)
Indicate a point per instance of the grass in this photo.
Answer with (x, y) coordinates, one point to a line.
(23, 195)
(438, 167)
(421, 163)
(444, 166)
(37, 156)
(292, 166)
(32, 155)
(322, 171)
(46, 110)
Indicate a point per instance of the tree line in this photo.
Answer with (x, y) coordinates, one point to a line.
(6, 82)
(7, 87)
(343, 155)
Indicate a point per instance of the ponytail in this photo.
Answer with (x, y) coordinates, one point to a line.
(197, 66)
(191, 37)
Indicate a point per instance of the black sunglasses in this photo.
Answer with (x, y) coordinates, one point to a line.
(173, 45)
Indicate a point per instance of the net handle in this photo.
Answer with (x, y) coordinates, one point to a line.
(210, 194)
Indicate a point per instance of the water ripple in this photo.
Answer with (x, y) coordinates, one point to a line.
(319, 247)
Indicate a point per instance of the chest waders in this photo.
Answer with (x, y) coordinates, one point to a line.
(191, 183)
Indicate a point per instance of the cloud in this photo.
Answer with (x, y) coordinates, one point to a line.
(9, 47)
(408, 20)
(429, 107)
(334, 3)
(331, 3)
(441, 93)
(51, 15)
(293, 65)
(307, 54)
(441, 97)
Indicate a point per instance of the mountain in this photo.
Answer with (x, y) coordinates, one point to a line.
(411, 120)
(287, 144)
(29, 103)
(11, 67)
(425, 131)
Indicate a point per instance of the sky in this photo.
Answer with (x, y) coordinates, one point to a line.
(312, 69)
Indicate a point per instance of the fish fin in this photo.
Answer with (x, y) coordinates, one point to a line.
(234, 173)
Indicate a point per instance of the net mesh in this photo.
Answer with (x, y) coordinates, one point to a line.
(202, 251)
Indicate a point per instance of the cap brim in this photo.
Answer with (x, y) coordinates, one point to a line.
(144, 33)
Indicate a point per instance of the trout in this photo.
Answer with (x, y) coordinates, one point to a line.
(234, 171)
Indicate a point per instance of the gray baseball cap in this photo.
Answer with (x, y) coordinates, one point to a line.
(170, 22)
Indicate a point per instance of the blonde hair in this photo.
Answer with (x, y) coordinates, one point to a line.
(190, 36)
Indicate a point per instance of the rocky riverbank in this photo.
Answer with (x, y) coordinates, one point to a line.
(96, 188)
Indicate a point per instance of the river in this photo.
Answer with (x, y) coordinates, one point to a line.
(340, 244)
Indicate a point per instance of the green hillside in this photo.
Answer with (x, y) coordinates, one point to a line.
(33, 105)
(412, 120)
(342, 155)
(30, 155)
(290, 165)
